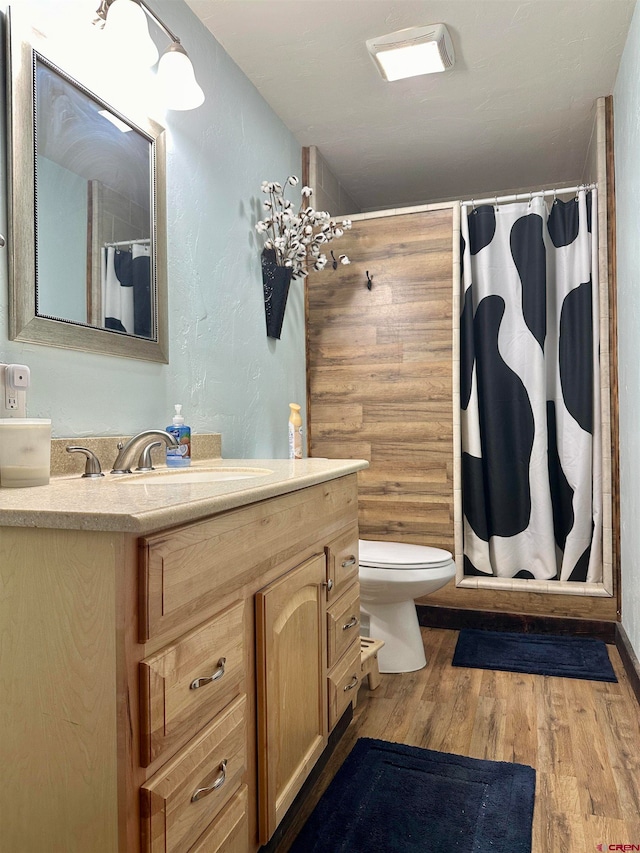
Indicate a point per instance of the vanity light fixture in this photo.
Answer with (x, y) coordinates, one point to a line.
(125, 21)
(413, 51)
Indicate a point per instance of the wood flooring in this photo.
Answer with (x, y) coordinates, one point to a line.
(582, 737)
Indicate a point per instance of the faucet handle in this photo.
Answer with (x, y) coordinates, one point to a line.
(92, 466)
(144, 462)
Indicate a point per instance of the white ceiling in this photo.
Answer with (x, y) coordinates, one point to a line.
(516, 111)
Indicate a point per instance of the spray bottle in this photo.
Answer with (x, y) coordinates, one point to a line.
(295, 432)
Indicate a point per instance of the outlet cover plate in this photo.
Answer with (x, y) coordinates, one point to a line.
(13, 403)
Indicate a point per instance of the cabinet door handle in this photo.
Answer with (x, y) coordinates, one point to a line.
(329, 585)
(207, 679)
(351, 684)
(351, 623)
(350, 561)
(218, 782)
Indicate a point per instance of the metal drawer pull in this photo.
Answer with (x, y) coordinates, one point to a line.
(217, 783)
(200, 682)
(352, 684)
(329, 585)
(351, 623)
(350, 561)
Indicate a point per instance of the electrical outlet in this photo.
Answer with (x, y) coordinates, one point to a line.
(14, 381)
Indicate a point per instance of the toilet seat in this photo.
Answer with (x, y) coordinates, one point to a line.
(401, 556)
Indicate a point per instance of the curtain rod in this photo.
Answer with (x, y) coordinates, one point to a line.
(522, 196)
(130, 242)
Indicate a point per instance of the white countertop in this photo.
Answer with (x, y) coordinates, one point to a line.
(111, 503)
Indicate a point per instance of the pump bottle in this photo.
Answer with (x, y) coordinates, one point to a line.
(180, 456)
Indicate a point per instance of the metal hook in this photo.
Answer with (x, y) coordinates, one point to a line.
(530, 199)
(555, 196)
(369, 281)
(496, 200)
(473, 206)
(335, 263)
(1, 241)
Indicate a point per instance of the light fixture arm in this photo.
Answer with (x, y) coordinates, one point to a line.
(151, 14)
(103, 9)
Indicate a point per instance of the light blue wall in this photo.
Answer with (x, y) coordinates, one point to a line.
(62, 287)
(228, 375)
(626, 106)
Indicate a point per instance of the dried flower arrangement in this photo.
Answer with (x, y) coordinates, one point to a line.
(297, 239)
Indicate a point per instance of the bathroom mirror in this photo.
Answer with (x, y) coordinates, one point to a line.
(87, 247)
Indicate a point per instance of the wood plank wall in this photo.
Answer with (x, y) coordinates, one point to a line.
(380, 372)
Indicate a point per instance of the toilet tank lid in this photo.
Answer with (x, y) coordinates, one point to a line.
(389, 554)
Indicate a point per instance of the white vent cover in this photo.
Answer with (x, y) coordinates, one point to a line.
(413, 51)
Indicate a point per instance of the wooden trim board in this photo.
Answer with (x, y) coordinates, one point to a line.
(526, 623)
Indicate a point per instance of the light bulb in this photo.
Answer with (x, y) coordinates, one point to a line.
(128, 31)
(177, 80)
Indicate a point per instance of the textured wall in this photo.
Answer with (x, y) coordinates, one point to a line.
(229, 377)
(626, 105)
(329, 193)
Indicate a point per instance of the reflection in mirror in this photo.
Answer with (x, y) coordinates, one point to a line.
(92, 181)
(88, 254)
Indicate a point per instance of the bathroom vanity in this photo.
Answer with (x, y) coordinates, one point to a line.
(172, 657)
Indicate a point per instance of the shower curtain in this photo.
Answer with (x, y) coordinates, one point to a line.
(529, 389)
(126, 289)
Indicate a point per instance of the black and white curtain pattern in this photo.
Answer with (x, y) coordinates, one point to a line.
(530, 390)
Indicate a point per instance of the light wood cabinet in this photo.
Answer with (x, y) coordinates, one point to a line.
(292, 689)
(113, 629)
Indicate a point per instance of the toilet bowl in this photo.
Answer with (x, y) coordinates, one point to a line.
(392, 575)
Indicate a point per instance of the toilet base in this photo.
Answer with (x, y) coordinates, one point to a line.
(396, 624)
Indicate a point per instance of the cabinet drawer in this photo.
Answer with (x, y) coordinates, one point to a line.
(184, 571)
(180, 801)
(184, 685)
(343, 623)
(229, 833)
(343, 682)
(342, 562)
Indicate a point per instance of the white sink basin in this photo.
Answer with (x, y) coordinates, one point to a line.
(193, 475)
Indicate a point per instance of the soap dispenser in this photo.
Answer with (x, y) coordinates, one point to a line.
(180, 456)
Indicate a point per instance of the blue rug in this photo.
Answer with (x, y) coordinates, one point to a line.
(539, 654)
(392, 798)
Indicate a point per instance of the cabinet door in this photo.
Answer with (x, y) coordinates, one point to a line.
(292, 689)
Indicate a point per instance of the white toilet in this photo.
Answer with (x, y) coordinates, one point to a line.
(392, 575)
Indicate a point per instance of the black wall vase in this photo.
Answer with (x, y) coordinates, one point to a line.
(275, 283)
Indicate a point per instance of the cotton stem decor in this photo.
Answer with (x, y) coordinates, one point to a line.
(295, 243)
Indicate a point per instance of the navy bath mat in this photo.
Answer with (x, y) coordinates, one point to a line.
(392, 798)
(539, 654)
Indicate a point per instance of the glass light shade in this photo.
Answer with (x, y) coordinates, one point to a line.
(410, 60)
(177, 80)
(128, 30)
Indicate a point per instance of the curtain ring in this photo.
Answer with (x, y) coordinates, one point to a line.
(555, 196)
(473, 206)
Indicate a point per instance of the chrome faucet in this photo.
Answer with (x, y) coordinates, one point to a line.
(136, 447)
